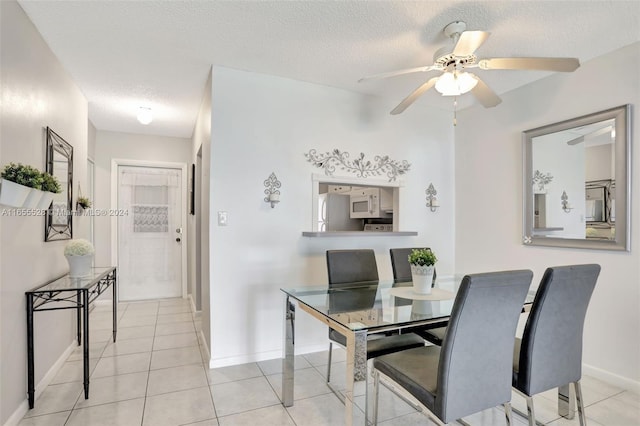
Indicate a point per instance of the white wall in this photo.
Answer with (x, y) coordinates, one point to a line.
(129, 146)
(489, 201)
(36, 92)
(566, 163)
(263, 124)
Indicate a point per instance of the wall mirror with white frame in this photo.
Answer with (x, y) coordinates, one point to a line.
(576, 178)
(343, 204)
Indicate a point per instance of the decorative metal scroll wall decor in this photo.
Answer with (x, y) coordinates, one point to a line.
(432, 201)
(329, 161)
(541, 179)
(564, 201)
(272, 193)
(58, 220)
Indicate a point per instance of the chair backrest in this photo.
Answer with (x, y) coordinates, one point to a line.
(350, 266)
(476, 357)
(400, 264)
(551, 347)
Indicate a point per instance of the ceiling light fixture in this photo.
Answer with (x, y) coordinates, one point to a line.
(145, 115)
(455, 83)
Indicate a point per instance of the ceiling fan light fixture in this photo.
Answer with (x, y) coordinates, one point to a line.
(455, 83)
(145, 115)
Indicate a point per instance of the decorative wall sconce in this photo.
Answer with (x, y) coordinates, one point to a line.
(272, 193)
(565, 202)
(432, 201)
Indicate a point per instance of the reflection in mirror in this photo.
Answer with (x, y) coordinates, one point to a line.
(575, 175)
(58, 220)
(349, 204)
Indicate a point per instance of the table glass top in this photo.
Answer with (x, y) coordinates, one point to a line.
(379, 304)
(66, 283)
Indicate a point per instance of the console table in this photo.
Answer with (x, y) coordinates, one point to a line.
(69, 293)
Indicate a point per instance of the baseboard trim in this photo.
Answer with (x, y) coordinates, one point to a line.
(262, 356)
(204, 347)
(611, 378)
(23, 408)
(195, 313)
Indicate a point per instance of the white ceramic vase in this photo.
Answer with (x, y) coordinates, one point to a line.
(79, 266)
(422, 277)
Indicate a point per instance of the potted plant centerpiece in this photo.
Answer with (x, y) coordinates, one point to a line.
(422, 264)
(79, 254)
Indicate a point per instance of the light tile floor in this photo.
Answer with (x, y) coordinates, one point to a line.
(155, 375)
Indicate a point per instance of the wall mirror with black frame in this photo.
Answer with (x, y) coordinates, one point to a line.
(577, 182)
(58, 219)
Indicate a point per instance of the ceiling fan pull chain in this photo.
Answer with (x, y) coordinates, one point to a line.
(455, 108)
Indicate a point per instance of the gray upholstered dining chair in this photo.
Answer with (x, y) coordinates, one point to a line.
(402, 273)
(471, 372)
(346, 267)
(549, 355)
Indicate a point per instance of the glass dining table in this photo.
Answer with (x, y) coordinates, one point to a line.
(358, 310)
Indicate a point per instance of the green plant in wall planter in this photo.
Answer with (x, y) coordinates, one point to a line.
(50, 187)
(82, 203)
(21, 185)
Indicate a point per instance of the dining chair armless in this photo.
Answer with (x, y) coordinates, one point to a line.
(471, 372)
(401, 274)
(549, 355)
(401, 267)
(346, 267)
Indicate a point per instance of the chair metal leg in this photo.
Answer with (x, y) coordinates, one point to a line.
(530, 412)
(376, 389)
(580, 403)
(529, 415)
(566, 401)
(329, 364)
(507, 413)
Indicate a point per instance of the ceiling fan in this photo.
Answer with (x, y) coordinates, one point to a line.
(454, 60)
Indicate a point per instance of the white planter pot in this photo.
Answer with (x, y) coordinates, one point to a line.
(12, 194)
(45, 201)
(33, 199)
(422, 277)
(79, 266)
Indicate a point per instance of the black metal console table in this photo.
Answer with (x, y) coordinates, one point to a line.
(70, 293)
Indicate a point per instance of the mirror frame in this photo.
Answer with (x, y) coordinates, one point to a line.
(56, 144)
(622, 242)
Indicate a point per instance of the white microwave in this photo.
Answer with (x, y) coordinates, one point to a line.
(367, 203)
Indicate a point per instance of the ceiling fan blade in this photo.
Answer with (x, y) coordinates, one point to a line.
(484, 94)
(413, 96)
(469, 41)
(541, 64)
(396, 73)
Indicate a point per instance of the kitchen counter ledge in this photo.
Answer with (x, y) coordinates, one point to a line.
(358, 234)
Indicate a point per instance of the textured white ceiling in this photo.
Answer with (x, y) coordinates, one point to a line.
(123, 54)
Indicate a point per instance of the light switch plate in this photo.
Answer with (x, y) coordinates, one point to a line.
(222, 218)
